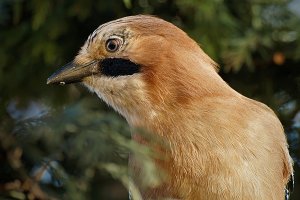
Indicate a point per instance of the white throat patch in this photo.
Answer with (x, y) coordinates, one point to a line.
(126, 94)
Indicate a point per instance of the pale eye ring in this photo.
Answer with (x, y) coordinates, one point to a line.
(113, 44)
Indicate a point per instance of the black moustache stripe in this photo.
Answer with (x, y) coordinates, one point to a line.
(118, 67)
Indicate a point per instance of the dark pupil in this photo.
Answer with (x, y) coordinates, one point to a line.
(112, 46)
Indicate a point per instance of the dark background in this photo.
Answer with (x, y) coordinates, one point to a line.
(64, 143)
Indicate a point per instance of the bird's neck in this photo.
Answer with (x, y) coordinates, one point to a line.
(174, 100)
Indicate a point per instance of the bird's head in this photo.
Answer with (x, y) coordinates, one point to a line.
(141, 66)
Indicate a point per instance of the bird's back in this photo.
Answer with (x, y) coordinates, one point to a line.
(241, 155)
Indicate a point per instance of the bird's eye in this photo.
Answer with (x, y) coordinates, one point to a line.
(113, 44)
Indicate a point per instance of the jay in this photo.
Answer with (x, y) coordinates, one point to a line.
(221, 144)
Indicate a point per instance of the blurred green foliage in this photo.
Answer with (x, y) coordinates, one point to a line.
(64, 143)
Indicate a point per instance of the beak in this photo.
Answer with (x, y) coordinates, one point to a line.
(73, 72)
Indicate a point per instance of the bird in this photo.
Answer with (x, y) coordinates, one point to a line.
(219, 143)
